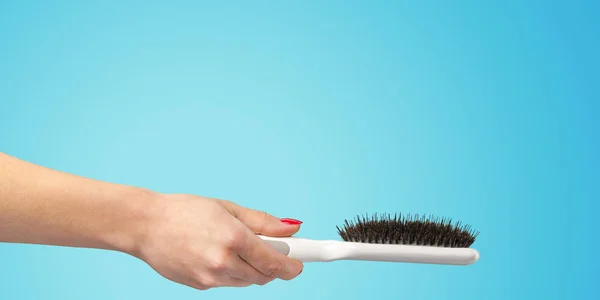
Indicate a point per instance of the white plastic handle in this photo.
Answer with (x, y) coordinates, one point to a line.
(307, 250)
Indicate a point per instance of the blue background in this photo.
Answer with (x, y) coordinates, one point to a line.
(319, 110)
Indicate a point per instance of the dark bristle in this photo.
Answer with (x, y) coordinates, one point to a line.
(407, 230)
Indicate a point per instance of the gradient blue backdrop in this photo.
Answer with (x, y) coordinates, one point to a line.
(319, 110)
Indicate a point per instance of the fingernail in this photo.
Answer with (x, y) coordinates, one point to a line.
(291, 221)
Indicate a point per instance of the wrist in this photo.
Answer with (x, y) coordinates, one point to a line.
(139, 211)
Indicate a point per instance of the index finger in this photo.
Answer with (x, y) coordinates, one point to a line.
(264, 258)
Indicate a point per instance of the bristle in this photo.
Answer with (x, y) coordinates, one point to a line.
(407, 230)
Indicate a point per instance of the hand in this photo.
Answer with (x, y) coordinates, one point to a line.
(205, 243)
(200, 242)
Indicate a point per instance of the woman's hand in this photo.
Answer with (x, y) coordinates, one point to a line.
(204, 243)
(196, 241)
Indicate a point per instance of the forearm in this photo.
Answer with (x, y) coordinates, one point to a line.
(44, 206)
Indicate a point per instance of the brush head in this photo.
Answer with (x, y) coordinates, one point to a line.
(408, 230)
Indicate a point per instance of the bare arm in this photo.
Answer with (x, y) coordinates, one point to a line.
(43, 206)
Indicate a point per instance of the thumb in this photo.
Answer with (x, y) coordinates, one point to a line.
(263, 223)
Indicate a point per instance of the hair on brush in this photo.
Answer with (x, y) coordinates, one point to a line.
(408, 230)
(388, 238)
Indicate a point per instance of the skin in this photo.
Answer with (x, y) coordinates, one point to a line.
(196, 241)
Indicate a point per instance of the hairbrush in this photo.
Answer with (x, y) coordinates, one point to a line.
(388, 238)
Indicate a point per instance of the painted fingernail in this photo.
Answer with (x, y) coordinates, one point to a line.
(291, 221)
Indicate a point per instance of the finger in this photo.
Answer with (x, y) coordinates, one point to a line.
(264, 258)
(261, 222)
(240, 269)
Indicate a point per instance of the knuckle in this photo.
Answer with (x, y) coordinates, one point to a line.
(208, 282)
(233, 239)
(196, 281)
(196, 278)
(264, 216)
(274, 269)
(219, 263)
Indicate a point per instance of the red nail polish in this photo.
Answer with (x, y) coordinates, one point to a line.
(291, 221)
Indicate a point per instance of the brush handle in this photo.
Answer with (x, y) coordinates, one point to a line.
(307, 250)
